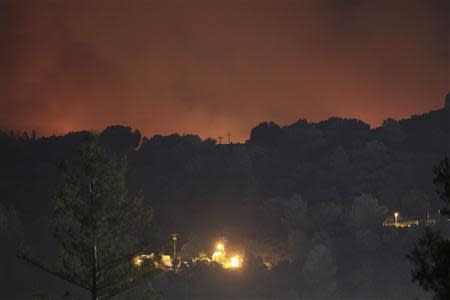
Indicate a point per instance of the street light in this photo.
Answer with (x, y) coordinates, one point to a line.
(396, 218)
(220, 246)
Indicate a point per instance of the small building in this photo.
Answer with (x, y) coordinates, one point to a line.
(400, 223)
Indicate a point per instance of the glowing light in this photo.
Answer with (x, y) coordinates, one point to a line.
(221, 256)
(166, 261)
(218, 256)
(235, 262)
(137, 261)
(220, 246)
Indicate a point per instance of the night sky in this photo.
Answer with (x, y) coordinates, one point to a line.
(209, 66)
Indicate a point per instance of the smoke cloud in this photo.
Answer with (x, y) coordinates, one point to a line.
(207, 67)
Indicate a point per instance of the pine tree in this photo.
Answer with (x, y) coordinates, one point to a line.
(98, 227)
(431, 255)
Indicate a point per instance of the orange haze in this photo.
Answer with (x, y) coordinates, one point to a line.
(206, 67)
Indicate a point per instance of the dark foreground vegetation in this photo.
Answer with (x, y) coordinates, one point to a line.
(306, 202)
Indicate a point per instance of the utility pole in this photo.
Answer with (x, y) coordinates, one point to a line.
(174, 241)
(220, 140)
(229, 137)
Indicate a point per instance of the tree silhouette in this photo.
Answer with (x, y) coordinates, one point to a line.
(97, 226)
(319, 272)
(442, 181)
(431, 255)
(367, 212)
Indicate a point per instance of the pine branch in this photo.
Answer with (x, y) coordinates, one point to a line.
(21, 254)
(120, 288)
(124, 258)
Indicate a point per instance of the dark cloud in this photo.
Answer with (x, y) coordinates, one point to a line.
(211, 66)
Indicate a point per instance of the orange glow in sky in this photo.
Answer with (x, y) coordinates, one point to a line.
(209, 67)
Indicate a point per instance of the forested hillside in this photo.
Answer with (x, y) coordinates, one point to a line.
(307, 199)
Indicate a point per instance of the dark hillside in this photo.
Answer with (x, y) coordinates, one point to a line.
(327, 185)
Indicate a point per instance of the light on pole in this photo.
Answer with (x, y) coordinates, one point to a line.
(396, 218)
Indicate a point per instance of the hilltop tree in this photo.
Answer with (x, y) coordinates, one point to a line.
(120, 139)
(266, 133)
(442, 181)
(367, 212)
(319, 272)
(98, 227)
(431, 255)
